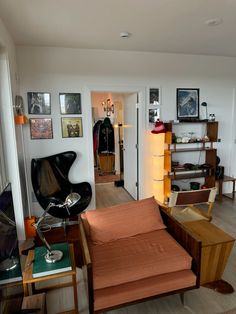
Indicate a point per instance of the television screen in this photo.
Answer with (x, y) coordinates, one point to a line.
(11, 291)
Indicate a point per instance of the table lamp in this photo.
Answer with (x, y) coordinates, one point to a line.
(54, 256)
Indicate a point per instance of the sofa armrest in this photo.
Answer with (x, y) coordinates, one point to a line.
(88, 263)
(187, 240)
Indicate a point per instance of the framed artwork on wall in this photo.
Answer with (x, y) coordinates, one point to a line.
(41, 128)
(72, 127)
(70, 103)
(187, 100)
(154, 96)
(39, 103)
(153, 109)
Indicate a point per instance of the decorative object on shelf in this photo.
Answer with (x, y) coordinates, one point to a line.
(39, 103)
(41, 128)
(53, 256)
(194, 185)
(204, 104)
(187, 104)
(108, 107)
(70, 103)
(212, 117)
(71, 127)
(159, 127)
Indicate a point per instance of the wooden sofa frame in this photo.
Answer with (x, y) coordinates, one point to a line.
(177, 231)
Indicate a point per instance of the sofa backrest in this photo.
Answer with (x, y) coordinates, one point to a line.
(123, 220)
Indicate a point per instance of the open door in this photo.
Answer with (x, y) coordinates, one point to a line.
(130, 150)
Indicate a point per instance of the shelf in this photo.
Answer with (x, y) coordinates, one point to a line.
(193, 149)
(188, 176)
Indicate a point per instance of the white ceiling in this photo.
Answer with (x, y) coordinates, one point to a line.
(176, 26)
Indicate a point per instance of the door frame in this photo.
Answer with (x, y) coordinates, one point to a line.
(141, 91)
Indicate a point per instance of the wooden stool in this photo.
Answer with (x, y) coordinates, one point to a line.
(221, 181)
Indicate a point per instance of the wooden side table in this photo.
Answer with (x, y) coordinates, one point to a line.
(28, 279)
(215, 251)
(221, 181)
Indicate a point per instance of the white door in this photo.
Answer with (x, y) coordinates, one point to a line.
(130, 152)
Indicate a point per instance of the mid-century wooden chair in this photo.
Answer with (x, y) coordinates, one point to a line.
(183, 205)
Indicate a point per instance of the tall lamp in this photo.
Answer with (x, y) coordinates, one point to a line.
(53, 256)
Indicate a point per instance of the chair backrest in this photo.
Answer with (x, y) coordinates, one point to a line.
(193, 197)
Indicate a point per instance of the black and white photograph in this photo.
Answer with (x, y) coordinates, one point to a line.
(154, 96)
(187, 103)
(72, 127)
(153, 115)
(39, 103)
(70, 103)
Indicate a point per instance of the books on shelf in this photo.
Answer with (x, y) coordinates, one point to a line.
(42, 268)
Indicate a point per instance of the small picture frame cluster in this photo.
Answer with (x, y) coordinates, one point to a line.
(187, 100)
(153, 112)
(39, 103)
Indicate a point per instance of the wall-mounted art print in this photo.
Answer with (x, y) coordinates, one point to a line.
(153, 114)
(71, 127)
(39, 103)
(187, 103)
(41, 128)
(70, 103)
(154, 96)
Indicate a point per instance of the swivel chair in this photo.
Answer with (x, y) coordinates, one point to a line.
(50, 183)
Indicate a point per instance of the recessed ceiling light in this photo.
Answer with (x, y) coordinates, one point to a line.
(125, 34)
(214, 22)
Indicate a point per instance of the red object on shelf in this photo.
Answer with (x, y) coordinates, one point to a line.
(159, 127)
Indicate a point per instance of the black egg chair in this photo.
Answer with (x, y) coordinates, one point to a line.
(50, 183)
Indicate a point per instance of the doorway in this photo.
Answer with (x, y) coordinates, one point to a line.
(118, 163)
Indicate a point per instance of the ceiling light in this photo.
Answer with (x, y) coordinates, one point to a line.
(214, 22)
(125, 34)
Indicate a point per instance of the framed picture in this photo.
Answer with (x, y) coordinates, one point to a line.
(70, 103)
(39, 103)
(154, 96)
(72, 127)
(153, 114)
(187, 103)
(41, 128)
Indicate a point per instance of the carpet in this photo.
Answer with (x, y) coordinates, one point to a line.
(104, 178)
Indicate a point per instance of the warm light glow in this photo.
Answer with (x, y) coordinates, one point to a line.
(157, 149)
(158, 190)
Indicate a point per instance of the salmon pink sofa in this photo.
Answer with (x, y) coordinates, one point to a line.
(135, 251)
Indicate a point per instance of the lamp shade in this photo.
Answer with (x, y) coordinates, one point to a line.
(159, 127)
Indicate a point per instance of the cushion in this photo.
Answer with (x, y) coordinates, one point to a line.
(138, 257)
(124, 220)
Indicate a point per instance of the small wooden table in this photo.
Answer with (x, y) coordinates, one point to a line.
(221, 181)
(28, 279)
(215, 251)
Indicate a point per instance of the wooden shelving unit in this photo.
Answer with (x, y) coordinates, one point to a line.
(199, 146)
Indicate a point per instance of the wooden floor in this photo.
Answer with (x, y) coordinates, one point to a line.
(200, 301)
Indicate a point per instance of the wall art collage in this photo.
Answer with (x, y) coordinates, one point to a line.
(40, 104)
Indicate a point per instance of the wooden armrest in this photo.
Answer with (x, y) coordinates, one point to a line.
(84, 245)
(186, 239)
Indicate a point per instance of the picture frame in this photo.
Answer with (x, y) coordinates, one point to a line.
(70, 103)
(39, 103)
(41, 128)
(153, 115)
(187, 101)
(72, 127)
(154, 96)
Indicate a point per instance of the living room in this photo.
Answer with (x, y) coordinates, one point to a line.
(197, 55)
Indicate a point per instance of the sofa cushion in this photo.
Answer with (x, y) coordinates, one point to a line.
(124, 220)
(135, 258)
(140, 289)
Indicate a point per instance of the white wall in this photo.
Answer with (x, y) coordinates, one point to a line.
(57, 70)
(8, 89)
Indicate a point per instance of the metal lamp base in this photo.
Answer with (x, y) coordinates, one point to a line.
(53, 256)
